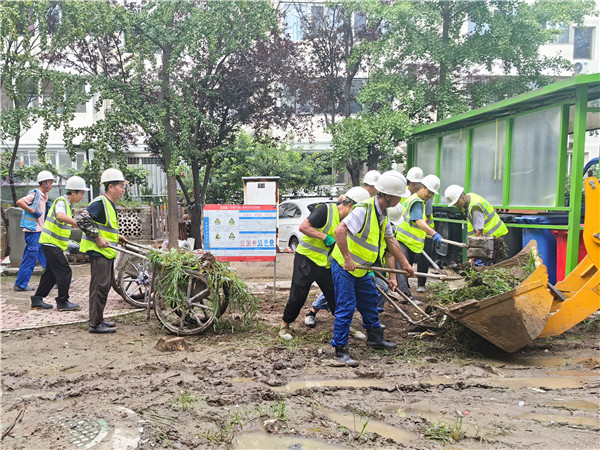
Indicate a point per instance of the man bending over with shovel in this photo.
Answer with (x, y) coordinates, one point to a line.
(359, 238)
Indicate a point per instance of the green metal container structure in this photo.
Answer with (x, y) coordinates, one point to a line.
(514, 152)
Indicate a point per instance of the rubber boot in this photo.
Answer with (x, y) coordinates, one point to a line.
(375, 340)
(66, 306)
(341, 355)
(37, 302)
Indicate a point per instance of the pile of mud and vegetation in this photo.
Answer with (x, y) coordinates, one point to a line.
(484, 282)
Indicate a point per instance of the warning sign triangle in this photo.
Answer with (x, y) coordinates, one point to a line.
(217, 236)
(217, 221)
(231, 236)
(231, 221)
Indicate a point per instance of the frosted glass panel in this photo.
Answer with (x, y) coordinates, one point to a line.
(425, 155)
(487, 161)
(535, 148)
(452, 161)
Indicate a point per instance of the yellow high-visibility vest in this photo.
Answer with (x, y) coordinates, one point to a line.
(55, 232)
(408, 232)
(365, 246)
(314, 248)
(108, 230)
(493, 225)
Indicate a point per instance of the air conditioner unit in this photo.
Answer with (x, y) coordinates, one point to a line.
(580, 67)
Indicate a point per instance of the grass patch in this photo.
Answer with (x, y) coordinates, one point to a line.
(448, 433)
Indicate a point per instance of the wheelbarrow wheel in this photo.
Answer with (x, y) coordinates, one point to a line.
(134, 280)
(197, 313)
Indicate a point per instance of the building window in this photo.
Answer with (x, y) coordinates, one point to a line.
(562, 38)
(133, 160)
(582, 42)
(293, 15)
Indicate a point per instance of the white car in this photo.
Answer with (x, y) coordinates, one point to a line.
(291, 214)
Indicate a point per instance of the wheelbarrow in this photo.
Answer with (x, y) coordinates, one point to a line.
(137, 282)
(535, 308)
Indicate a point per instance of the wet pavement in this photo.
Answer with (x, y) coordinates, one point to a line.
(16, 312)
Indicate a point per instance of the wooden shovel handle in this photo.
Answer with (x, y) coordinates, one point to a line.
(404, 272)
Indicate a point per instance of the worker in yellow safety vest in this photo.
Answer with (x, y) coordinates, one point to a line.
(414, 228)
(415, 177)
(54, 240)
(312, 261)
(359, 239)
(101, 230)
(482, 218)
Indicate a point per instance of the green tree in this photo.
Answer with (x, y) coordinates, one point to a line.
(184, 75)
(431, 67)
(369, 137)
(247, 157)
(33, 91)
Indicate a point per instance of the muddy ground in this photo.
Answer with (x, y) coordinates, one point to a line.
(248, 389)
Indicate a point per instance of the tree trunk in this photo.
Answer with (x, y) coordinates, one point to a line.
(173, 213)
(354, 171)
(11, 167)
(196, 211)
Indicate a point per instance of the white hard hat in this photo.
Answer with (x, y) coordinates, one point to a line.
(391, 182)
(44, 175)
(432, 183)
(76, 184)
(371, 177)
(414, 174)
(358, 194)
(453, 193)
(394, 214)
(111, 175)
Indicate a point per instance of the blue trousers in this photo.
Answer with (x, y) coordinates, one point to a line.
(352, 293)
(320, 303)
(31, 254)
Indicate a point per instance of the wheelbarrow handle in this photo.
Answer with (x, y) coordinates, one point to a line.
(448, 241)
(124, 250)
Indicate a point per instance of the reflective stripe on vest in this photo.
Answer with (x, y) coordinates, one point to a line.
(408, 232)
(364, 247)
(56, 232)
(107, 230)
(492, 225)
(314, 248)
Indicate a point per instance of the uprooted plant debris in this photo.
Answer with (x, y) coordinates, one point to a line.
(174, 268)
(481, 284)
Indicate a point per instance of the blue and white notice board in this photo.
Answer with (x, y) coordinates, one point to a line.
(241, 232)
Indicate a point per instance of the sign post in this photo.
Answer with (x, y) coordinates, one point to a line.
(264, 191)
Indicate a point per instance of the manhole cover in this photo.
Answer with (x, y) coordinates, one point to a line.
(82, 432)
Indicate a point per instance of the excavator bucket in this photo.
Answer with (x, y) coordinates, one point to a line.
(510, 320)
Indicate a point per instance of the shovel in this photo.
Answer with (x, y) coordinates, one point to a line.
(404, 272)
(478, 246)
(405, 297)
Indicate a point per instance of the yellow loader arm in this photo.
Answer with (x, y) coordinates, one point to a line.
(581, 288)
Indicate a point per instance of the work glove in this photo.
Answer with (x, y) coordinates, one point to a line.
(437, 237)
(329, 241)
(36, 214)
(371, 273)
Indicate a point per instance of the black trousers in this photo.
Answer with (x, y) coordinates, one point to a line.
(422, 263)
(57, 272)
(102, 274)
(305, 273)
